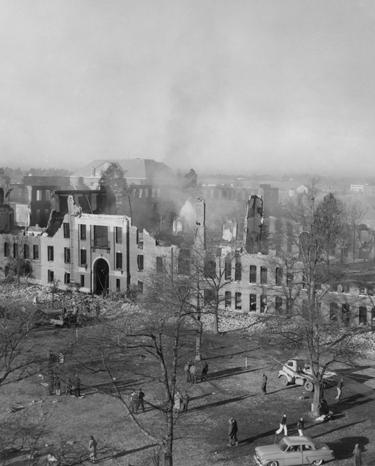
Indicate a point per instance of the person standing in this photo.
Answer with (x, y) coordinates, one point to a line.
(232, 432)
(283, 426)
(193, 374)
(187, 371)
(177, 402)
(185, 401)
(141, 402)
(339, 387)
(264, 384)
(300, 426)
(357, 456)
(204, 371)
(93, 449)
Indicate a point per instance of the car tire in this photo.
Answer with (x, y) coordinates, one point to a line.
(284, 381)
(309, 386)
(317, 462)
(273, 463)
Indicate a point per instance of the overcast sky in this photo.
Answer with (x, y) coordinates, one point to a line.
(238, 85)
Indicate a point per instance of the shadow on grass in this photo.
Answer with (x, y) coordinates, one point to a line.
(218, 356)
(229, 372)
(351, 402)
(120, 454)
(338, 428)
(220, 403)
(343, 447)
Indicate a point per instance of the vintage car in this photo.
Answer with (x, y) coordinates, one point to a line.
(297, 371)
(293, 450)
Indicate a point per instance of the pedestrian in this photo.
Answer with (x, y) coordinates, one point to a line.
(204, 371)
(177, 402)
(141, 402)
(233, 432)
(300, 426)
(187, 371)
(264, 384)
(193, 374)
(57, 385)
(185, 401)
(357, 456)
(93, 449)
(69, 387)
(133, 402)
(339, 387)
(283, 426)
(77, 386)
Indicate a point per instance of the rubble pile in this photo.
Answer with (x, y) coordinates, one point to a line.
(230, 321)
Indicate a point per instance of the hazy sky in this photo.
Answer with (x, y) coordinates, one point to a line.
(239, 85)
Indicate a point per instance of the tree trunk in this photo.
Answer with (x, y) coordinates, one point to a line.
(317, 396)
(198, 342)
(168, 450)
(216, 321)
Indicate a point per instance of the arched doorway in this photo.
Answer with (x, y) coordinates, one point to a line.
(101, 276)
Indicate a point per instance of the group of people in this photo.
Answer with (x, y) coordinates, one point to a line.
(181, 402)
(72, 385)
(190, 370)
(137, 401)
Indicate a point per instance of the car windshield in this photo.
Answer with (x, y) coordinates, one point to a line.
(283, 446)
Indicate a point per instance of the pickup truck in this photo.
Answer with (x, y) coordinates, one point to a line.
(297, 371)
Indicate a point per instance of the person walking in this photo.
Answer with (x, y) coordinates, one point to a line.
(177, 402)
(283, 426)
(187, 371)
(264, 384)
(233, 432)
(300, 426)
(339, 388)
(77, 386)
(133, 402)
(185, 401)
(58, 385)
(193, 374)
(93, 449)
(357, 456)
(141, 401)
(204, 371)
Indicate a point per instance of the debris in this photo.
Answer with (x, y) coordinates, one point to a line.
(15, 408)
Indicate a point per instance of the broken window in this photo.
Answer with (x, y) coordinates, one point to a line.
(82, 232)
(35, 251)
(278, 304)
(208, 296)
(210, 267)
(140, 262)
(253, 274)
(333, 312)
(362, 315)
(66, 278)
(50, 253)
(118, 260)
(263, 303)
(238, 269)
(26, 251)
(345, 314)
(279, 276)
(50, 276)
(66, 230)
(237, 300)
(100, 236)
(6, 249)
(118, 285)
(253, 303)
(159, 265)
(228, 299)
(183, 264)
(67, 255)
(15, 250)
(83, 257)
(82, 281)
(118, 235)
(263, 275)
(228, 267)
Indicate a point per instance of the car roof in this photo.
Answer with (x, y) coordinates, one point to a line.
(297, 440)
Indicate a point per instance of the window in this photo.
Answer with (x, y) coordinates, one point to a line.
(118, 285)
(82, 281)
(306, 447)
(15, 250)
(35, 251)
(6, 250)
(238, 269)
(140, 287)
(26, 251)
(345, 314)
(253, 303)
(118, 235)
(183, 265)
(263, 303)
(159, 265)
(82, 232)
(278, 304)
(66, 278)
(50, 253)
(289, 279)
(333, 312)
(50, 276)
(100, 236)
(279, 276)
(66, 230)
(362, 316)
(208, 296)
(228, 299)
(140, 262)
(253, 274)
(118, 260)
(67, 255)
(83, 257)
(237, 300)
(263, 275)
(38, 194)
(209, 267)
(228, 267)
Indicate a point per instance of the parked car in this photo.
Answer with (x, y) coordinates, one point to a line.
(297, 371)
(293, 451)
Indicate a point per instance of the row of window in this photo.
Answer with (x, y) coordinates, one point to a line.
(26, 251)
(252, 301)
(252, 273)
(100, 234)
